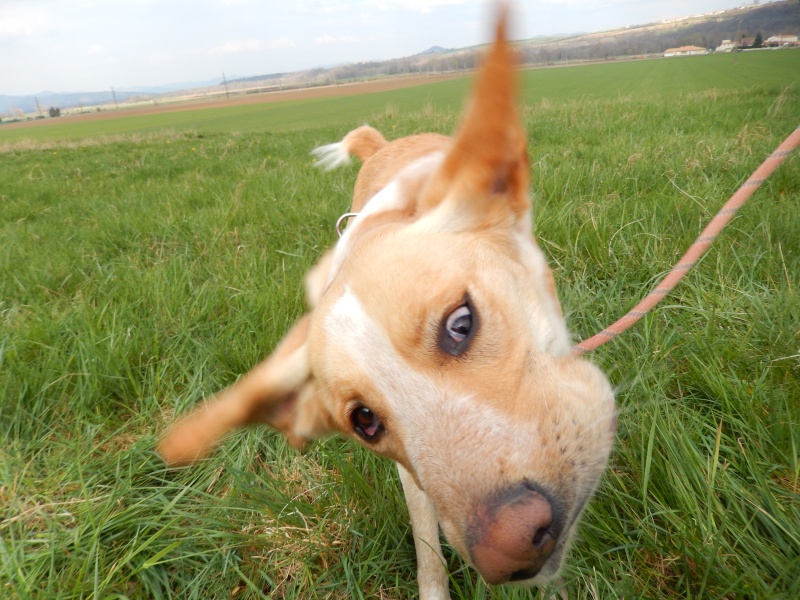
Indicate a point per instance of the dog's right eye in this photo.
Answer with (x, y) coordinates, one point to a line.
(458, 328)
(366, 423)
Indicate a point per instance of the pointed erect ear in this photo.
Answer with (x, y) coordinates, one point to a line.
(279, 391)
(484, 178)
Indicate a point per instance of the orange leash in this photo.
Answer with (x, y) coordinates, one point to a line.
(697, 249)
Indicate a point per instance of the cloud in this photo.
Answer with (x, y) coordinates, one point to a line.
(160, 57)
(236, 47)
(21, 21)
(334, 6)
(252, 45)
(326, 39)
(422, 6)
(322, 6)
(100, 52)
(584, 4)
(281, 43)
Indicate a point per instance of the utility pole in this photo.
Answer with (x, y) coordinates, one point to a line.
(225, 81)
(738, 42)
(113, 93)
(38, 108)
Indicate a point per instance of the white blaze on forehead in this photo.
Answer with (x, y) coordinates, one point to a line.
(363, 340)
(430, 415)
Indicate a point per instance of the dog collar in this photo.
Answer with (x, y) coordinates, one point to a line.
(342, 220)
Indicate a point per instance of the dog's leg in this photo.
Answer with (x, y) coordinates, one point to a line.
(431, 570)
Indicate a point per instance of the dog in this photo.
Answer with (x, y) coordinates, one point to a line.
(436, 339)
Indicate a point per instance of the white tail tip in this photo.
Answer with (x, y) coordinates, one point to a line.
(331, 156)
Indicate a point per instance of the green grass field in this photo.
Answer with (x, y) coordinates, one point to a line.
(147, 262)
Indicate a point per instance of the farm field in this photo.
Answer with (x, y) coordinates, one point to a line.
(149, 260)
(665, 77)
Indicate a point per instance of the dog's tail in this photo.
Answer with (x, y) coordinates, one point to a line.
(361, 143)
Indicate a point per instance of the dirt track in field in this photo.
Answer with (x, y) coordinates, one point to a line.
(328, 91)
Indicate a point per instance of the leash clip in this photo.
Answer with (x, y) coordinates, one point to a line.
(342, 220)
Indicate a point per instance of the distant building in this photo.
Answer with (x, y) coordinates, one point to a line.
(684, 51)
(727, 46)
(781, 40)
(747, 42)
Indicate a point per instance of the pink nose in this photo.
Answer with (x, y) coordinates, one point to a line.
(514, 535)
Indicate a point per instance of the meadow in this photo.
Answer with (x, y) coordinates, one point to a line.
(148, 261)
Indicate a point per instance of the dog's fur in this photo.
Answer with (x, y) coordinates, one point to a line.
(435, 338)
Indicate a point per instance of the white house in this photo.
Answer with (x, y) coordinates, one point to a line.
(684, 51)
(727, 46)
(782, 40)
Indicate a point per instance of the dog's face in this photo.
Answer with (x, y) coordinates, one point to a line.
(444, 353)
(436, 339)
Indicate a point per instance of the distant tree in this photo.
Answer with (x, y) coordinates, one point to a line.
(759, 41)
(54, 112)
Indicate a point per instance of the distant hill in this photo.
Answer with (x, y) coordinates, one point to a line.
(433, 50)
(371, 64)
(707, 30)
(255, 78)
(27, 104)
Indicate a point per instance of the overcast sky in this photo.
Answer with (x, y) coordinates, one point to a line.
(88, 45)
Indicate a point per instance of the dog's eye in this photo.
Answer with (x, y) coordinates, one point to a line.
(366, 423)
(458, 329)
(459, 323)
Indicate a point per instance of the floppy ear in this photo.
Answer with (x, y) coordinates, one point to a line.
(484, 179)
(279, 391)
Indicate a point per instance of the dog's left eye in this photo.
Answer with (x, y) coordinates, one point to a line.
(458, 329)
(366, 423)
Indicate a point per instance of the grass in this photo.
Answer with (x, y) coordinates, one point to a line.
(146, 265)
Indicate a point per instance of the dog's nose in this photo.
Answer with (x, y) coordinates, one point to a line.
(514, 534)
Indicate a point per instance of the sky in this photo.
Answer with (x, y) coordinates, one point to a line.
(92, 45)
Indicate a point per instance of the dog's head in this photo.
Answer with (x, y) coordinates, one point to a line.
(436, 339)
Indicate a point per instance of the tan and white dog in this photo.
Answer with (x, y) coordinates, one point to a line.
(435, 338)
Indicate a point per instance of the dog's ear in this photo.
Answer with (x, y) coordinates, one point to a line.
(484, 179)
(279, 391)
